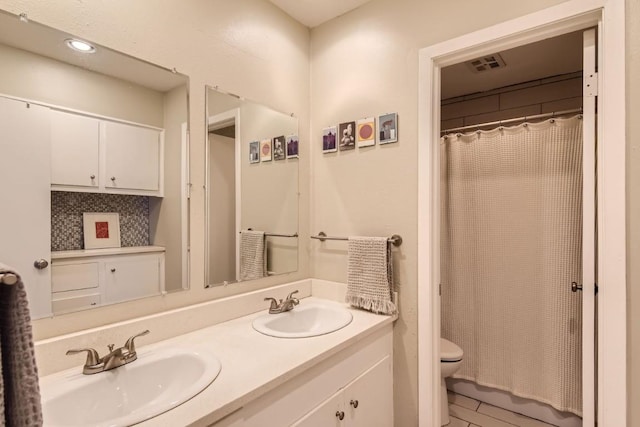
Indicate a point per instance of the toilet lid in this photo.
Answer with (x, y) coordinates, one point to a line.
(449, 352)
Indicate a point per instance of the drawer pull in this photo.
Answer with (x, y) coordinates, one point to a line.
(354, 403)
(92, 177)
(340, 415)
(113, 270)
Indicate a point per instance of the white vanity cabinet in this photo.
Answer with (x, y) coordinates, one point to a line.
(103, 156)
(321, 395)
(88, 278)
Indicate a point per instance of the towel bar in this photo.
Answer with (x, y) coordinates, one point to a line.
(396, 239)
(8, 278)
(275, 234)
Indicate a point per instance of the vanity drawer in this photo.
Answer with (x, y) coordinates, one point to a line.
(74, 303)
(70, 277)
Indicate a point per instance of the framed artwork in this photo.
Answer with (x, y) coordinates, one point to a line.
(366, 134)
(329, 144)
(347, 136)
(279, 148)
(265, 150)
(254, 152)
(101, 230)
(292, 147)
(388, 128)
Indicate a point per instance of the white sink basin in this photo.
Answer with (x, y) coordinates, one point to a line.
(158, 381)
(308, 319)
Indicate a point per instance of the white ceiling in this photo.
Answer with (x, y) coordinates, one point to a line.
(314, 12)
(49, 42)
(546, 58)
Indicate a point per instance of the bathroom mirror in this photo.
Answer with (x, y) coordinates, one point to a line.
(252, 185)
(125, 118)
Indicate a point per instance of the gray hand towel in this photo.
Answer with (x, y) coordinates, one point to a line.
(19, 388)
(253, 255)
(370, 275)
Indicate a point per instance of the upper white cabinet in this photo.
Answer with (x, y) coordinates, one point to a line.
(132, 157)
(101, 156)
(74, 150)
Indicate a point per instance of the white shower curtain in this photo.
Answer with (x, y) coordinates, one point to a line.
(511, 246)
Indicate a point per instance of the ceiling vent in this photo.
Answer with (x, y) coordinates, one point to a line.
(486, 63)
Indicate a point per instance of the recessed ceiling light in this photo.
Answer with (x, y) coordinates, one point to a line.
(80, 46)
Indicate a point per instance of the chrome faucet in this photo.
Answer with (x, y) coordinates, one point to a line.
(282, 306)
(115, 358)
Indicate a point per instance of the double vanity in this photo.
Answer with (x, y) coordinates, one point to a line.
(317, 363)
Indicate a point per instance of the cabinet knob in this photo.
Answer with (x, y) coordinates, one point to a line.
(41, 264)
(113, 270)
(113, 178)
(93, 177)
(340, 415)
(354, 403)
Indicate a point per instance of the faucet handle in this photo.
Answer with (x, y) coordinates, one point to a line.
(92, 356)
(291, 295)
(274, 303)
(130, 345)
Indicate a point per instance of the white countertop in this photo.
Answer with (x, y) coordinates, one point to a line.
(127, 250)
(254, 364)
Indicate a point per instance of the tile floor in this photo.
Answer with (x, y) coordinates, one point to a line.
(467, 412)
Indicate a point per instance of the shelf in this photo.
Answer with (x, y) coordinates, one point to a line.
(83, 253)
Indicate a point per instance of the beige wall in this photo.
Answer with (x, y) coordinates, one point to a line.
(270, 189)
(222, 209)
(166, 213)
(366, 63)
(248, 47)
(633, 210)
(27, 75)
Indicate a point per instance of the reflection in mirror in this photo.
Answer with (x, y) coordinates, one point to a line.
(95, 153)
(252, 190)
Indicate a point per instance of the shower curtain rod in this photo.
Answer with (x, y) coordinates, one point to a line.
(517, 119)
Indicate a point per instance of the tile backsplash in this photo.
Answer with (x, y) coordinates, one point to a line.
(66, 217)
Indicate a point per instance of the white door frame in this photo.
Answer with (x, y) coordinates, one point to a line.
(572, 15)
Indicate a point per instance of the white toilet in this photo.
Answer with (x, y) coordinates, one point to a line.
(450, 361)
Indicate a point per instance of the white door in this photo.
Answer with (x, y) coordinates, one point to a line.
(74, 149)
(589, 252)
(132, 157)
(25, 218)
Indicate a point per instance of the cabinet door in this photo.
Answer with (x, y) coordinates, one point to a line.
(131, 277)
(25, 186)
(369, 398)
(74, 149)
(132, 157)
(326, 415)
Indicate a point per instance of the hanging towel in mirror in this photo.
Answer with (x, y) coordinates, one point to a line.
(370, 275)
(19, 388)
(253, 255)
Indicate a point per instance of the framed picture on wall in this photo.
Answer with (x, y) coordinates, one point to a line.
(388, 128)
(254, 152)
(101, 230)
(292, 147)
(329, 140)
(347, 136)
(279, 148)
(265, 150)
(366, 132)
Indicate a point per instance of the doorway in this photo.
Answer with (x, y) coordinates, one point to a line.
(513, 217)
(569, 17)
